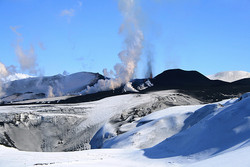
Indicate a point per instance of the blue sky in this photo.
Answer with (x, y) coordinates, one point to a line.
(207, 36)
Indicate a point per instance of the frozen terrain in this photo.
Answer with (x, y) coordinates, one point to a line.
(15, 76)
(41, 87)
(216, 134)
(230, 76)
(73, 126)
(47, 123)
(82, 83)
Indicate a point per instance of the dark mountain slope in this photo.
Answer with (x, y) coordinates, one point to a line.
(195, 84)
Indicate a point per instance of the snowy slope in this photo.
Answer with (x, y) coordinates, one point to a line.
(6, 76)
(206, 135)
(16, 76)
(73, 126)
(13, 77)
(230, 76)
(226, 127)
(10, 157)
(40, 87)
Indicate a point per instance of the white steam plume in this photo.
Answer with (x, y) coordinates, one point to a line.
(50, 92)
(149, 58)
(26, 58)
(124, 71)
(3, 74)
(133, 41)
(3, 70)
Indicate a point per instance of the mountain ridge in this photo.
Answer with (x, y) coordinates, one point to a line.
(190, 82)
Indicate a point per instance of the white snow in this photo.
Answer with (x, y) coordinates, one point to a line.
(153, 129)
(230, 76)
(205, 135)
(40, 87)
(17, 76)
(6, 76)
(88, 117)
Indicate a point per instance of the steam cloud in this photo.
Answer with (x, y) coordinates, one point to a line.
(3, 74)
(124, 71)
(26, 58)
(68, 12)
(149, 68)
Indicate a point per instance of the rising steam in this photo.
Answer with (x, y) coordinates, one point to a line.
(26, 58)
(124, 71)
(3, 74)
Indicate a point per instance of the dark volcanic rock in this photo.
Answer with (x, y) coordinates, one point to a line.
(180, 79)
(197, 85)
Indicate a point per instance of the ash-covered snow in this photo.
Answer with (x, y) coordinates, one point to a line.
(230, 76)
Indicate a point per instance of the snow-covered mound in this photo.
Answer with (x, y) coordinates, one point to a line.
(156, 127)
(224, 129)
(40, 87)
(230, 76)
(187, 130)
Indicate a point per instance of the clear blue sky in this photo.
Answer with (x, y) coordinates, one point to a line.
(204, 35)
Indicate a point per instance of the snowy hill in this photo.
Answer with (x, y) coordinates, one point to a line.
(40, 87)
(215, 134)
(192, 83)
(13, 77)
(209, 132)
(73, 126)
(16, 76)
(230, 76)
(6, 76)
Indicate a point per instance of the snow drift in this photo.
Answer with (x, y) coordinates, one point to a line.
(226, 127)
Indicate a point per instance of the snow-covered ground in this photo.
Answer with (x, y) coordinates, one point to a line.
(10, 157)
(230, 76)
(72, 126)
(16, 76)
(41, 87)
(199, 135)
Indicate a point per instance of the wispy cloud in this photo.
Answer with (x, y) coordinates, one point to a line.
(68, 12)
(3, 73)
(79, 3)
(3, 70)
(14, 29)
(26, 58)
(41, 45)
